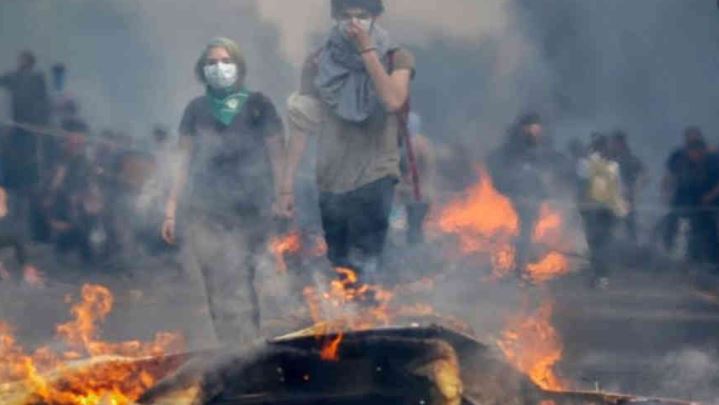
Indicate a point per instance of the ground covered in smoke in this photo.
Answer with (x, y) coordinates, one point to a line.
(651, 333)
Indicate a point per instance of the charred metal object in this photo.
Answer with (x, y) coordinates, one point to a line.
(432, 365)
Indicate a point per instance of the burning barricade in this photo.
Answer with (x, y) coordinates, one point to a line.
(80, 368)
(364, 346)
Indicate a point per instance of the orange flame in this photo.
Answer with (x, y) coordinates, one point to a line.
(330, 352)
(349, 305)
(283, 245)
(548, 226)
(51, 378)
(485, 222)
(483, 215)
(553, 265)
(532, 345)
(292, 244)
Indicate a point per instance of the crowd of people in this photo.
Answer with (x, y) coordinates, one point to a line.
(65, 185)
(608, 177)
(99, 196)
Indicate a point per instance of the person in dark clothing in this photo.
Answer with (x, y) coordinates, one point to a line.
(632, 173)
(73, 203)
(22, 150)
(30, 106)
(523, 169)
(691, 185)
(232, 139)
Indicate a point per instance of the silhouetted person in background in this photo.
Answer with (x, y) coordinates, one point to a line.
(23, 152)
(601, 203)
(632, 172)
(691, 185)
(73, 202)
(523, 169)
(30, 106)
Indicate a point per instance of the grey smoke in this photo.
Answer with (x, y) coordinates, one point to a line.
(692, 374)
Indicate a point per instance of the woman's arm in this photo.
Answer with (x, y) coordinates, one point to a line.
(276, 151)
(179, 179)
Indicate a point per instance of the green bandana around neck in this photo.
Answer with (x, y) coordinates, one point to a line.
(226, 108)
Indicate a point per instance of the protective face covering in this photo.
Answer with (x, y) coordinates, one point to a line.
(366, 24)
(221, 75)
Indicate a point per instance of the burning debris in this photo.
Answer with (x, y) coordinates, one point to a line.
(428, 364)
(80, 368)
(291, 244)
(532, 345)
(486, 223)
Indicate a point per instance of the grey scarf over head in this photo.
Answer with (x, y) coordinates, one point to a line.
(343, 82)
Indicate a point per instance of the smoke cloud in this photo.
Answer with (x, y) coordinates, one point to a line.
(643, 65)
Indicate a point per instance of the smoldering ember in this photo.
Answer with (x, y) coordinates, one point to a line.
(359, 202)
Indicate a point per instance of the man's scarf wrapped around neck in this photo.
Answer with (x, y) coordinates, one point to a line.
(343, 82)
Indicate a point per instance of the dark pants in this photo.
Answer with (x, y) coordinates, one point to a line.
(599, 227)
(528, 213)
(356, 224)
(703, 235)
(631, 224)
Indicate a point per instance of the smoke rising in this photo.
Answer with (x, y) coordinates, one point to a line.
(643, 65)
(692, 374)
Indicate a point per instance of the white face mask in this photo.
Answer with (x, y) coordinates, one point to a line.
(221, 75)
(366, 24)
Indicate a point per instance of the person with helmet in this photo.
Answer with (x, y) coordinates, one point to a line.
(352, 91)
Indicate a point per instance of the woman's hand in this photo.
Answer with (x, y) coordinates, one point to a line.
(284, 206)
(168, 230)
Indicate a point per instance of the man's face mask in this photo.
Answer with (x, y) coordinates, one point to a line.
(362, 18)
(221, 75)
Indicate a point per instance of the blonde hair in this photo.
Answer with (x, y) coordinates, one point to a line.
(235, 54)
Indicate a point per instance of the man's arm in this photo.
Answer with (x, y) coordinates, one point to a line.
(296, 146)
(393, 89)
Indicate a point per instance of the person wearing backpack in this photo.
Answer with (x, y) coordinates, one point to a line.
(601, 205)
(351, 95)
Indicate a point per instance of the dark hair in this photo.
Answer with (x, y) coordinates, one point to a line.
(693, 132)
(598, 142)
(75, 125)
(619, 135)
(529, 119)
(374, 7)
(58, 68)
(28, 57)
